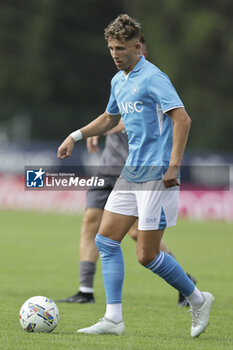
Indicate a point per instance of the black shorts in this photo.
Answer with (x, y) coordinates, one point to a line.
(97, 197)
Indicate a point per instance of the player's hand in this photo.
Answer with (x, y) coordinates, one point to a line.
(92, 144)
(170, 178)
(65, 149)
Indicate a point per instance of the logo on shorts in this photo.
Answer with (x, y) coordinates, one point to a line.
(150, 220)
(35, 178)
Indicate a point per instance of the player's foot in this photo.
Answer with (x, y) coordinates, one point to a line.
(80, 297)
(200, 316)
(182, 301)
(104, 326)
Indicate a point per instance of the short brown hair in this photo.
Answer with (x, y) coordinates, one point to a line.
(123, 28)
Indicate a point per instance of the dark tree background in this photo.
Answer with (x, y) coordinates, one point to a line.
(56, 69)
(192, 41)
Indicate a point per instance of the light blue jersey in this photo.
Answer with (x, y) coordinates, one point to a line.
(142, 98)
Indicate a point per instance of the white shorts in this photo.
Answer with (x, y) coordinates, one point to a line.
(155, 206)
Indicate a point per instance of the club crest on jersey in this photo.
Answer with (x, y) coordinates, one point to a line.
(134, 90)
(130, 107)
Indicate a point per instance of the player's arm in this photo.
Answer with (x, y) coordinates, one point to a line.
(97, 127)
(92, 142)
(181, 126)
(120, 127)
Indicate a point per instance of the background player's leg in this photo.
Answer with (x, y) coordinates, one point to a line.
(164, 248)
(88, 253)
(90, 226)
(88, 257)
(133, 231)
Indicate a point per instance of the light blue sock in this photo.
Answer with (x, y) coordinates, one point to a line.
(112, 268)
(168, 268)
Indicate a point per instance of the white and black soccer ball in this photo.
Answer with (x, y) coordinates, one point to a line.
(39, 314)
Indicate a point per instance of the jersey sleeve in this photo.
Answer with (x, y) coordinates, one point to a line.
(163, 92)
(112, 106)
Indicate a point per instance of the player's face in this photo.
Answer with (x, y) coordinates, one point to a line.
(124, 53)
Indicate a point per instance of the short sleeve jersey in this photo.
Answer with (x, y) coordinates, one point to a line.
(142, 98)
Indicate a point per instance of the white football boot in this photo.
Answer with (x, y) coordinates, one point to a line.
(200, 316)
(104, 326)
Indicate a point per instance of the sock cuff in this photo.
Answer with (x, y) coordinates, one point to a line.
(154, 264)
(107, 241)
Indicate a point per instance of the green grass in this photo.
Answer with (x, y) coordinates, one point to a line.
(39, 256)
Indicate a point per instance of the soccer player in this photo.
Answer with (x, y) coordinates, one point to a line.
(157, 127)
(114, 155)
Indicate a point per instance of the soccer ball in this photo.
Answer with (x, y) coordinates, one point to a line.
(39, 314)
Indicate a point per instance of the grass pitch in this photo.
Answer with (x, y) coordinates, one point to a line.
(39, 256)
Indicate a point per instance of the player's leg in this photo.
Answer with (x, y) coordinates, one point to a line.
(165, 266)
(164, 248)
(161, 263)
(161, 212)
(133, 231)
(113, 228)
(88, 254)
(182, 301)
(95, 202)
(88, 257)
(90, 225)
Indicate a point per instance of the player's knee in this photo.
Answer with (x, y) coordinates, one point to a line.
(92, 216)
(144, 258)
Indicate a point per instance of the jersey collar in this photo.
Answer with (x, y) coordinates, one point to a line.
(140, 64)
(137, 68)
